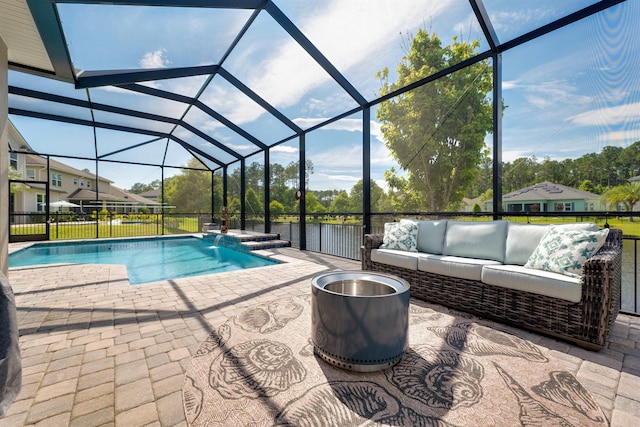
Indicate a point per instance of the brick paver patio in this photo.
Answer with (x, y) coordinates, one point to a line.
(97, 351)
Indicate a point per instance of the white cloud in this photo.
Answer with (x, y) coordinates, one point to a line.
(155, 59)
(381, 156)
(238, 147)
(351, 31)
(620, 137)
(351, 125)
(342, 178)
(511, 84)
(284, 149)
(509, 21)
(469, 25)
(609, 116)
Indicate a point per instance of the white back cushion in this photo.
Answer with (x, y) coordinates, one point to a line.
(522, 240)
(430, 235)
(482, 240)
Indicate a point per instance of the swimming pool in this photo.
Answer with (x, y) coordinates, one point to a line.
(147, 260)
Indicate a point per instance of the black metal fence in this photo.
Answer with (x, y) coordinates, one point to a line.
(67, 225)
(340, 237)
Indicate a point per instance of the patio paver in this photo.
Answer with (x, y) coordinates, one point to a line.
(98, 351)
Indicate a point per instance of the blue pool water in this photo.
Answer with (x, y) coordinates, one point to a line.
(147, 260)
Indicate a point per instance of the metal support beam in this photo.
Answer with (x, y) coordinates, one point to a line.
(243, 194)
(98, 78)
(559, 23)
(497, 134)
(192, 101)
(224, 186)
(45, 16)
(303, 190)
(366, 170)
(485, 23)
(313, 51)
(63, 119)
(211, 4)
(213, 205)
(267, 192)
(47, 200)
(258, 100)
(124, 111)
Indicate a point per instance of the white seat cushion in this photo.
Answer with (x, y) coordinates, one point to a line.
(539, 282)
(453, 266)
(397, 258)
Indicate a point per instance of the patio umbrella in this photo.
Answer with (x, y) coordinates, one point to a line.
(63, 204)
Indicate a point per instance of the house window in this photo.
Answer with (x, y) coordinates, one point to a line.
(563, 207)
(82, 183)
(31, 173)
(88, 184)
(40, 203)
(56, 179)
(75, 181)
(13, 160)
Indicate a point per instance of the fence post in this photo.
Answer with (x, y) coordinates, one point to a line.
(320, 235)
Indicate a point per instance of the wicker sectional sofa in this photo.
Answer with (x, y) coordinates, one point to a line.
(479, 267)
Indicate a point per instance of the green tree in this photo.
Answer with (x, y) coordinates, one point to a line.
(313, 205)
(377, 196)
(252, 203)
(627, 194)
(190, 190)
(519, 174)
(341, 204)
(140, 187)
(276, 208)
(234, 206)
(400, 194)
(587, 185)
(436, 132)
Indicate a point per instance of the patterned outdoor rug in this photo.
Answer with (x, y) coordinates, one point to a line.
(258, 369)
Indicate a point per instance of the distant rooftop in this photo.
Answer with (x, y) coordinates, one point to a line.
(549, 191)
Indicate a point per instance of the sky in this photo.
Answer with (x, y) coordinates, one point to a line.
(566, 94)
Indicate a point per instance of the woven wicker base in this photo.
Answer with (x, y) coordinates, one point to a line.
(586, 323)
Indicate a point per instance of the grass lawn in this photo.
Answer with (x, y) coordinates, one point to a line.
(88, 230)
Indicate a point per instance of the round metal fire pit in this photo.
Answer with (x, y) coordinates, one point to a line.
(359, 319)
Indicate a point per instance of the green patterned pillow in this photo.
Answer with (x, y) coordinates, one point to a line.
(564, 251)
(400, 235)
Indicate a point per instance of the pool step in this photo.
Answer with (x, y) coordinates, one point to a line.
(267, 244)
(247, 240)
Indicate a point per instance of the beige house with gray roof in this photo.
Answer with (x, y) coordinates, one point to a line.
(65, 183)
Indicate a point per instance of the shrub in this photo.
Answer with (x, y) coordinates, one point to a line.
(103, 215)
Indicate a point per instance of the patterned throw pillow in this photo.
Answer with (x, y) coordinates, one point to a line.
(400, 235)
(565, 251)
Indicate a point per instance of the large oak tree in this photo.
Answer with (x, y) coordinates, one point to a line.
(436, 132)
